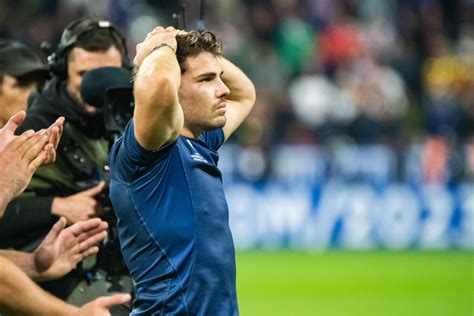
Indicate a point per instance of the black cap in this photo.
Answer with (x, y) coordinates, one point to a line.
(18, 60)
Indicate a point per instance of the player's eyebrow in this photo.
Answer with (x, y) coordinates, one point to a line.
(209, 74)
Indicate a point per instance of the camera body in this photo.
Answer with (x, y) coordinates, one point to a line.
(118, 110)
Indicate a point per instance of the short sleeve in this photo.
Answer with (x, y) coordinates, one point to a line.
(127, 154)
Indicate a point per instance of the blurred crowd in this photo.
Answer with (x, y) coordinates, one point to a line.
(328, 73)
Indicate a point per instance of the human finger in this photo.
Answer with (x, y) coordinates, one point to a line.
(84, 236)
(148, 35)
(90, 251)
(92, 240)
(54, 134)
(59, 123)
(18, 141)
(56, 230)
(117, 299)
(50, 153)
(157, 29)
(84, 226)
(37, 162)
(94, 190)
(55, 130)
(33, 146)
(14, 121)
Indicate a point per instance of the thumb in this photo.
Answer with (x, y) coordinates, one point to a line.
(14, 121)
(94, 190)
(117, 299)
(56, 230)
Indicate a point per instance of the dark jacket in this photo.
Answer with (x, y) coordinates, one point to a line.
(81, 155)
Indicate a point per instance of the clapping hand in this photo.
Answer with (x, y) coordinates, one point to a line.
(21, 155)
(63, 248)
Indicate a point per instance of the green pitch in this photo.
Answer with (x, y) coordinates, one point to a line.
(355, 283)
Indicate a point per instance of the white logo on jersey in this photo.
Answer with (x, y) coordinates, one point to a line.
(196, 156)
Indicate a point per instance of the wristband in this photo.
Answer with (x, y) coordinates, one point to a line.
(162, 45)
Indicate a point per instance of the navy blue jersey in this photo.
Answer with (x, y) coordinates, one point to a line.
(173, 225)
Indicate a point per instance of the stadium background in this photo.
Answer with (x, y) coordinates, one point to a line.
(351, 184)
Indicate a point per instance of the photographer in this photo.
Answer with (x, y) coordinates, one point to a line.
(72, 186)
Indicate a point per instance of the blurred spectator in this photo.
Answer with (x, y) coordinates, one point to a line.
(21, 73)
(319, 103)
(378, 93)
(367, 71)
(294, 42)
(444, 76)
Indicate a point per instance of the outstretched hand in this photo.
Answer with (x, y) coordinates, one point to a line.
(63, 248)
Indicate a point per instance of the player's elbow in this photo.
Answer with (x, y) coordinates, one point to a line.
(249, 96)
(252, 94)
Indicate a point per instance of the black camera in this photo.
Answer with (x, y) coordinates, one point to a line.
(110, 90)
(118, 110)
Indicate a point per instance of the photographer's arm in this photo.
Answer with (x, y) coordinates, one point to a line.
(158, 117)
(242, 96)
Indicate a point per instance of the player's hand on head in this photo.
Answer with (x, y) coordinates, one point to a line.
(159, 36)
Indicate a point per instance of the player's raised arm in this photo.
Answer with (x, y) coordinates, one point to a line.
(241, 99)
(158, 117)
